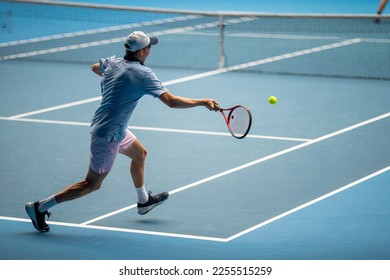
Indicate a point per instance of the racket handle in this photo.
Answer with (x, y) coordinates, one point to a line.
(218, 107)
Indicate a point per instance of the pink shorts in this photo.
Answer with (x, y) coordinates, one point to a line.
(103, 152)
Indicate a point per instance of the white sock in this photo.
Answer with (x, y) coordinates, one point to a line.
(47, 203)
(143, 196)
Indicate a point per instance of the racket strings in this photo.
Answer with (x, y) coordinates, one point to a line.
(239, 122)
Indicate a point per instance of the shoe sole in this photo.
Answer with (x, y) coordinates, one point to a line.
(144, 210)
(30, 209)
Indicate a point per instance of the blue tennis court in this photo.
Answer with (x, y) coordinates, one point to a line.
(310, 181)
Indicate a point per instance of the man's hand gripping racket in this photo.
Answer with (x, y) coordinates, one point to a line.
(238, 120)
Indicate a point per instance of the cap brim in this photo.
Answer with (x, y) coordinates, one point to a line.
(153, 40)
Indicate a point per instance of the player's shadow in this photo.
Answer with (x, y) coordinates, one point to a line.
(152, 221)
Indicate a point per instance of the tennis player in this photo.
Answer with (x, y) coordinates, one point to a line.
(381, 8)
(123, 82)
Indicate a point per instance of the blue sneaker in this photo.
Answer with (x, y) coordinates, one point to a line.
(153, 201)
(37, 218)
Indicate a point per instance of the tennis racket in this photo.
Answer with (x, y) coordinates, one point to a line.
(238, 120)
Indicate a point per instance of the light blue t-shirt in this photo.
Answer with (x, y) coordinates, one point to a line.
(123, 84)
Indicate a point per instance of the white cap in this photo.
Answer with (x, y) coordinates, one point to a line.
(139, 40)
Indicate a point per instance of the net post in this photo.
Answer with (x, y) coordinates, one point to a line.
(221, 42)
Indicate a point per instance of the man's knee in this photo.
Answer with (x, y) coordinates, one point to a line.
(93, 185)
(141, 155)
(94, 180)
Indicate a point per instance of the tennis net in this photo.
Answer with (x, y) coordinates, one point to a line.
(352, 46)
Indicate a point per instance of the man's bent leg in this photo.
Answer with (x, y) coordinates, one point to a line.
(92, 182)
(137, 152)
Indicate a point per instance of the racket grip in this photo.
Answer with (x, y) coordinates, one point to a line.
(218, 107)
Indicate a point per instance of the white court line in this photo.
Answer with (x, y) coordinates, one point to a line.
(244, 35)
(173, 130)
(63, 106)
(118, 40)
(218, 133)
(86, 224)
(209, 73)
(361, 180)
(118, 229)
(97, 31)
(265, 61)
(255, 162)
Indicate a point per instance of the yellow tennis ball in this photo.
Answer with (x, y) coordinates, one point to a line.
(272, 100)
